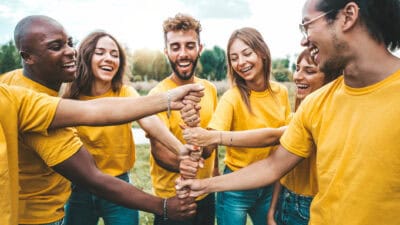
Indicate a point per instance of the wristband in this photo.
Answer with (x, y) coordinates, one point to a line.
(165, 209)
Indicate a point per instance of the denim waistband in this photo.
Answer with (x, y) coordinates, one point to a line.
(295, 195)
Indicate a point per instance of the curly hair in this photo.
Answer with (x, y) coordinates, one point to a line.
(181, 22)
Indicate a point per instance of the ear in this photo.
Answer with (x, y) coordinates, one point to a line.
(200, 48)
(352, 13)
(26, 57)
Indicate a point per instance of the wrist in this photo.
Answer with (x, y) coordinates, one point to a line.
(165, 209)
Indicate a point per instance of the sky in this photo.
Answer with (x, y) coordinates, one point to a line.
(138, 24)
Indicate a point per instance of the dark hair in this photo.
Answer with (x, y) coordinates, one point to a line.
(181, 22)
(255, 41)
(84, 80)
(380, 17)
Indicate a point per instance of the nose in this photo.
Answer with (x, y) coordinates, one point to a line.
(70, 51)
(241, 60)
(297, 76)
(182, 52)
(304, 41)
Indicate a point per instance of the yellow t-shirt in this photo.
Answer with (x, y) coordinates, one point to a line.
(164, 180)
(22, 110)
(112, 147)
(232, 115)
(43, 191)
(355, 132)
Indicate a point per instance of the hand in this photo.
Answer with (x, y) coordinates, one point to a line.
(188, 167)
(271, 217)
(181, 209)
(198, 136)
(192, 92)
(191, 115)
(197, 186)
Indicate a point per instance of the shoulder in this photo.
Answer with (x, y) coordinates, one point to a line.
(10, 76)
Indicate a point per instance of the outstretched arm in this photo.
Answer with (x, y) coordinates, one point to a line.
(81, 169)
(250, 138)
(258, 174)
(110, 111)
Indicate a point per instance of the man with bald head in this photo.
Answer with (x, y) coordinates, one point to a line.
(48, 61)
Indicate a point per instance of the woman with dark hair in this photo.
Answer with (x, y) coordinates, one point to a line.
(252, 102)
(100, 71)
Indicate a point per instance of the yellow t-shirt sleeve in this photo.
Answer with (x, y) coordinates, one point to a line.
(222, 117)
(297, 138)
(36, 111)
(56, 147)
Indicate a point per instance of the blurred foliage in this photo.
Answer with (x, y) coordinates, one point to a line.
(214, 64)
(9, 57)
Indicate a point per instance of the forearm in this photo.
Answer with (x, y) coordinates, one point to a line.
(259, 174)
(155, 128)
(81, 170)
(125, 194)
(275, 198)
(251, 138)
(164, 157)
(106, 111)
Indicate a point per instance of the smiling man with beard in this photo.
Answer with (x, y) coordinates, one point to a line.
(183, 48)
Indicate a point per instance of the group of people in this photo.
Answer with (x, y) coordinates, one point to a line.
(337, 161)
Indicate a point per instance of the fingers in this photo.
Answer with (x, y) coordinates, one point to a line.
(188, 168)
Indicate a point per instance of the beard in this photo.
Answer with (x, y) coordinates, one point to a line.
(333, 67)
(185, 76)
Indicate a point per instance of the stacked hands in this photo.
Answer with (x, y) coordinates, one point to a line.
(193, 157)
(184, 98)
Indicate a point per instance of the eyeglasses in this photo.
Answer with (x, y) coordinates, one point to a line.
(303, 26)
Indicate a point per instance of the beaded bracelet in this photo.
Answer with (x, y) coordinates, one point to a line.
(165, 209)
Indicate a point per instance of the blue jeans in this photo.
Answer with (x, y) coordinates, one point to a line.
(205, 214)
(293, 209)
(233, 206)
(84, 208)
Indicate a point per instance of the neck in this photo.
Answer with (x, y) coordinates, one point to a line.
(179, 81)
(47, 83)
(100, 88)
(257, 84)
(371, 64)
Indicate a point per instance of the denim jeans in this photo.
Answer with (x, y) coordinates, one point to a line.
(293, 209)
(205, 214)
(85, 208)
(58, 222)
(233, 206)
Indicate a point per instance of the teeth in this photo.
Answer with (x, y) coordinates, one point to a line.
(108, 68)
(314, 51)
(184, 64)
(69, 64)
(302, 86)
(246, 69)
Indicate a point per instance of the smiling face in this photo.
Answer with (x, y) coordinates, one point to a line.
(307, 78)
(183, 51)
(49, 52)
(323, 41)
(245, 61)
(105, 60)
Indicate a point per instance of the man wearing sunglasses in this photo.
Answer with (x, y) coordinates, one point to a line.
(351, 123)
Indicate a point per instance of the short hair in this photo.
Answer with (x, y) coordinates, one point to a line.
(380, 17)
(85, 77)
(181, 22)
(24, 26)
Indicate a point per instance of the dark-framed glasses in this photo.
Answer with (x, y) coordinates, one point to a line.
(303, 26)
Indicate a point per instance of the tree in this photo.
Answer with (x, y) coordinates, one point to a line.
(9, 57)
(214, 64)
